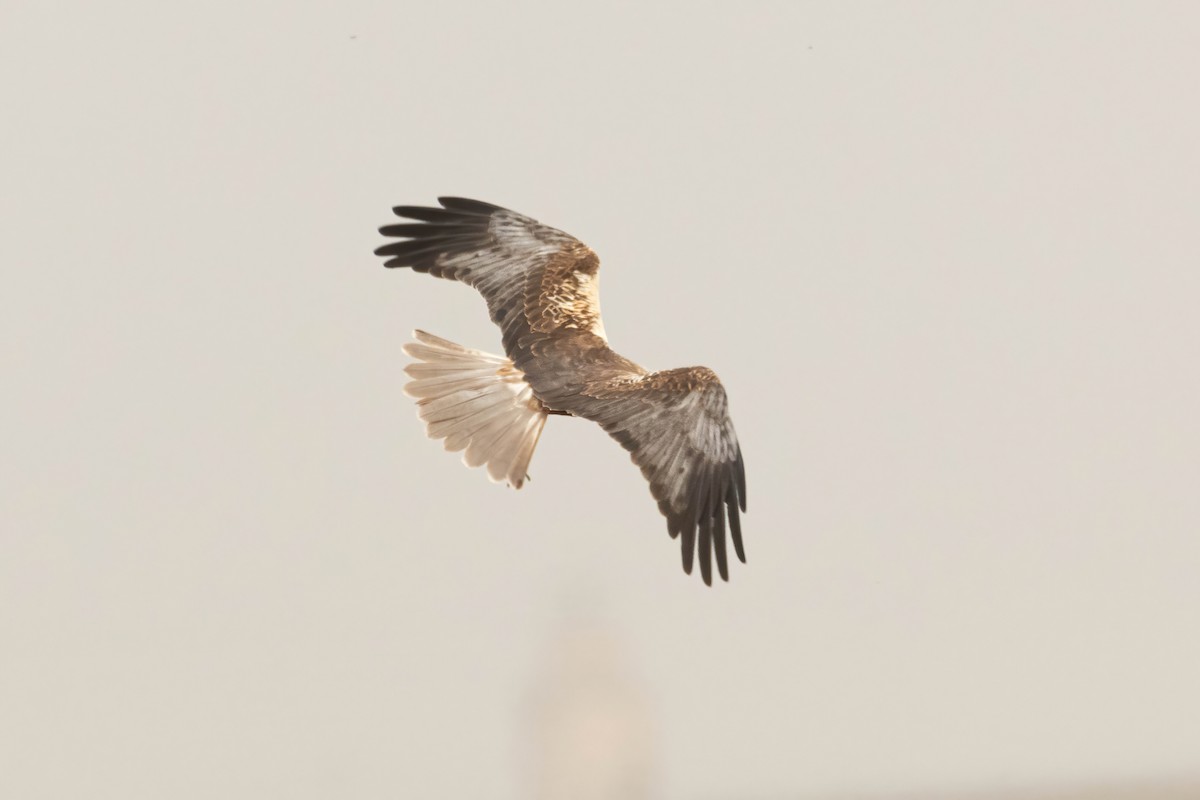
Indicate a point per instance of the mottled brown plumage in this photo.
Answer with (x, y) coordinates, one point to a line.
(541, 289)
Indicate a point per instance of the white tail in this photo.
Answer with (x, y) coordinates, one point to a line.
(475, 401)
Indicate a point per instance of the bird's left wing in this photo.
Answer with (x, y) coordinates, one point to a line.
(514, 261)
(676, 426)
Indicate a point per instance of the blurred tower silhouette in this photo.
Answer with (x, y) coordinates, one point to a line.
(591, 733)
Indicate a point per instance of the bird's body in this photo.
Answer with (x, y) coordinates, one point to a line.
(542, 290)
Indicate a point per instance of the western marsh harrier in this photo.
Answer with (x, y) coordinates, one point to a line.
(540, 285)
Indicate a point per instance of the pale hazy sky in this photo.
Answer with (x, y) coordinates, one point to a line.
(943, 256)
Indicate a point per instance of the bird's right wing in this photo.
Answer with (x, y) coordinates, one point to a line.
(676, 426)
(533, 277)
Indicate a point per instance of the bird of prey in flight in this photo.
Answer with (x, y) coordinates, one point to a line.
(540, 285)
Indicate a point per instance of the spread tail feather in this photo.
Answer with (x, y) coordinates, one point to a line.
(476, 402)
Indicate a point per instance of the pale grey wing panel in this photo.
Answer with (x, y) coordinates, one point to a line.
(500, 253)
(677, 428)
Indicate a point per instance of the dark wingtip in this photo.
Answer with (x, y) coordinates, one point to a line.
(719, 544)
(687, 546)
(741, 480)
(674, 524)
(468, 206)
(706, 551)
(735, 524)
(414, 212)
